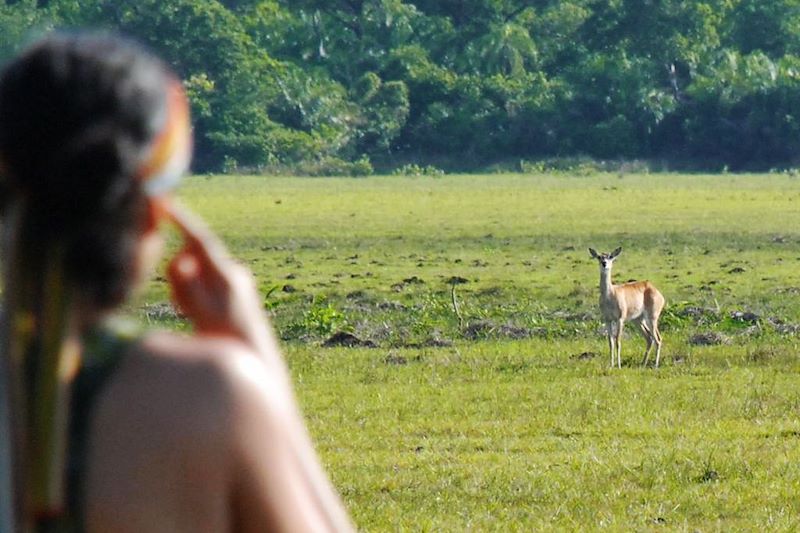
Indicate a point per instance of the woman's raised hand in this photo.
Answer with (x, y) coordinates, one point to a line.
(216, 294)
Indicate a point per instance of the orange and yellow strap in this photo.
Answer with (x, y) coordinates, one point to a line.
(171, 150)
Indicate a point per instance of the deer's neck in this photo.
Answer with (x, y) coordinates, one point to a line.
(606, 287)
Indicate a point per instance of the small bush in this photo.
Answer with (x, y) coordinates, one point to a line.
(323, 319)
(327, 166)
(416, 170)
(583, 166)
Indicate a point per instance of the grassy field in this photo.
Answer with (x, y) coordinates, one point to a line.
(504, 415)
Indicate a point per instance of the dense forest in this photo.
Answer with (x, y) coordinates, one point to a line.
(346, 86)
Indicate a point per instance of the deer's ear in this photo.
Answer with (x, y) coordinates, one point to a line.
(616, 252)
(593, 252)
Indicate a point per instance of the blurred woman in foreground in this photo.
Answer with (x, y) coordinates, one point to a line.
(114, 431)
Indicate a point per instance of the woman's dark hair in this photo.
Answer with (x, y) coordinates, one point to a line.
(78, 117)
(77, 112)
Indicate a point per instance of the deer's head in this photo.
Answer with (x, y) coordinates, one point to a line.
(605, 260)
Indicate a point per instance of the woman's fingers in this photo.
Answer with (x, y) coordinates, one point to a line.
(197, 235)
(186, 283)
(207, 285)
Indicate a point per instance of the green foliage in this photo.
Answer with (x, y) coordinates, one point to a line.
(385, 108)
(277, 84)
(322, 319)
(570, 166)
(19, 22)
(505, 49)
(329, 166)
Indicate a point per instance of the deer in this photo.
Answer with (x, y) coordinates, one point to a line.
(636, 301)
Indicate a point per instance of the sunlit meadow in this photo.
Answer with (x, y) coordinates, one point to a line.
(444, 338)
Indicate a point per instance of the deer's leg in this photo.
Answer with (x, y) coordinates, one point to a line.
(610, 336)
(657, 338)
(620, 327)
(648, 337)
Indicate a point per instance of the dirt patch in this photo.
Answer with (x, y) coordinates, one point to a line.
(490, 292)
(348, 340)
(699, 313)
(357, 295)
(585, 356)
(782, 327)
(395, 360)
(437, 342)
(745, 316)
(391, 305)
(434, 341)
(708, 338)
(484, 329)
(413, 280)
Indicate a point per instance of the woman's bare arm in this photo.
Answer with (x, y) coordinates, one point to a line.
(279, 481)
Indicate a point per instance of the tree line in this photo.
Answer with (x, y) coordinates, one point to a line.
(346, 86)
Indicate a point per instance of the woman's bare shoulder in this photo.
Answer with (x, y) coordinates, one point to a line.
(200, 382)
(168, 421)
(189, 349)
(173, 387)
(190, 378)
(224, 365)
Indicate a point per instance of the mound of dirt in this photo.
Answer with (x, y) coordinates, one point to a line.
(708, 338)
(348, 340)
(393, 359)
(782, 327)
(483, 329)
(434, 341)
(413, 280)
(745, 316)
(699, 313)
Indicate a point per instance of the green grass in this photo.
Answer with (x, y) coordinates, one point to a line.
(518, 436)
(456, 427)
